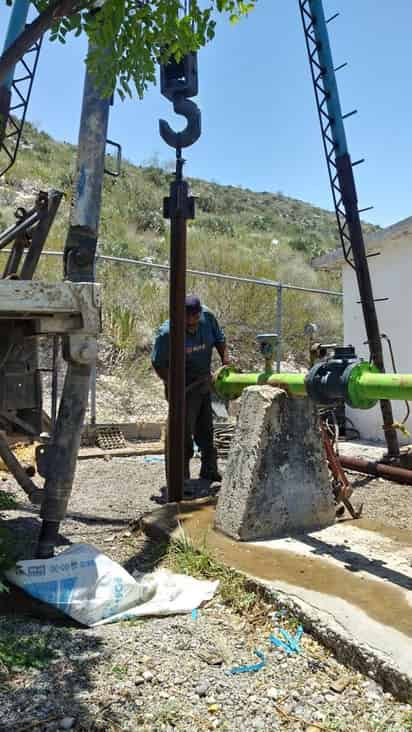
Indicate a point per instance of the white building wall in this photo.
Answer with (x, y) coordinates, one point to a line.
(391, 273)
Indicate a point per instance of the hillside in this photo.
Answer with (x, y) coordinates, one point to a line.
(236, 231)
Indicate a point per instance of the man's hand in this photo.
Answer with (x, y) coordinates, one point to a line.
(223, 352)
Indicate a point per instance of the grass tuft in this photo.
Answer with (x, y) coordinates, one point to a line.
(7, 501)
(22, 652)
(234, 589)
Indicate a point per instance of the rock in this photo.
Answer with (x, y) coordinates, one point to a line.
(139, 680)
(147, 676)
(259, 724)
(276, 479)
(211, 657)
(202, 689)
(272, 693)
(67, 722)
(340, 684)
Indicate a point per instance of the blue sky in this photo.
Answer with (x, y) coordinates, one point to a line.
(260, 126)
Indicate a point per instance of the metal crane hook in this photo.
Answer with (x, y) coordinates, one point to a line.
(178, 82)
(191, 133)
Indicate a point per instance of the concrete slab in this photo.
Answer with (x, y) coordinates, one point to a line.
(362, 449)
(350, 584)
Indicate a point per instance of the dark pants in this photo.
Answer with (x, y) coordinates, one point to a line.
(199, 427)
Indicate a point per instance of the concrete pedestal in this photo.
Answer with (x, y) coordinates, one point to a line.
(276, 480)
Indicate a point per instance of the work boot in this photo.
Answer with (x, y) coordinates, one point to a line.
(213, 476)
(208, 467)
(209, 471)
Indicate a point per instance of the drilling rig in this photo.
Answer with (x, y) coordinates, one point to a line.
(67, 312)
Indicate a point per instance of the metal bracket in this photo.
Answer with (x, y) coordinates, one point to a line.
(117, 172)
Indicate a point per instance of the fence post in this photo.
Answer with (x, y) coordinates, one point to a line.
(278, 328)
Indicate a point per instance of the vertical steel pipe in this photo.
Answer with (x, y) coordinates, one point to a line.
(80, 246)
(177, 405)
(79, 266)
(278, 329)
(93, 387)
(54, 385)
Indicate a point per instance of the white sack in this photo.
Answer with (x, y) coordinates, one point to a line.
(91, 588)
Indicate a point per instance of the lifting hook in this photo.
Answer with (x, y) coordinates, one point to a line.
(193, 129)
(178, 81)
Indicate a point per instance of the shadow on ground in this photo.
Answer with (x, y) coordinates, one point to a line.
(356, 562)
(46, 674)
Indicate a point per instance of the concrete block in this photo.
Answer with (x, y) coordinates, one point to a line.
(276, 481)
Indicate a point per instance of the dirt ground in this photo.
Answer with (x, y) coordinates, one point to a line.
(172, 673)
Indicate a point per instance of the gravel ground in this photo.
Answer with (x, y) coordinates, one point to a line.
(172, 673)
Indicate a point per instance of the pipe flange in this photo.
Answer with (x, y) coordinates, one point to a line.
(350, 379)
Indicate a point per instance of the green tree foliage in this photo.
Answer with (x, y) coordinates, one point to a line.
(128, 38)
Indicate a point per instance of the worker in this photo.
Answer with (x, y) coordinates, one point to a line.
(202, 334)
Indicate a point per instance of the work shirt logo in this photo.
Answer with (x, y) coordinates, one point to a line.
(195, 349)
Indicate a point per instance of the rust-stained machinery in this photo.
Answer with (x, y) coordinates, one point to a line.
(67, 311)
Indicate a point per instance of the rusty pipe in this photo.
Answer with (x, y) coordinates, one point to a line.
(380, 470)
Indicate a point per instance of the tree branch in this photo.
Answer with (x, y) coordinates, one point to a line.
(56, 10)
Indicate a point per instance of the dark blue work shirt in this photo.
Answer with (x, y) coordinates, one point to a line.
(198, 346)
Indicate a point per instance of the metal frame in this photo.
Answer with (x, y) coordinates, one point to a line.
(20, 105)
(278, 286)
(29, 232)
(342, 179)
(323, 99)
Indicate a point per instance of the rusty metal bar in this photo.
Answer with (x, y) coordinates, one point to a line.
(177, 401)
(381, 470)
(48, 204)
(178, 208)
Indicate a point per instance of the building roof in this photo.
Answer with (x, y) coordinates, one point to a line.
(375, 242)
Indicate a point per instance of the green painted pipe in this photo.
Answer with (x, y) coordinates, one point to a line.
(229, 384)
(364, 385)
(381, 386)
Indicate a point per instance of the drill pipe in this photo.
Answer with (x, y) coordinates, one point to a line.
(390, 472)
(364, 388)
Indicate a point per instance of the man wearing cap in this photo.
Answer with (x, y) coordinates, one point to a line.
(203, 333)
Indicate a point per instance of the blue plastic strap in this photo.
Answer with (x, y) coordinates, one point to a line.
(292, 642)
(280, 644)
(299, 634)
(252, 667)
